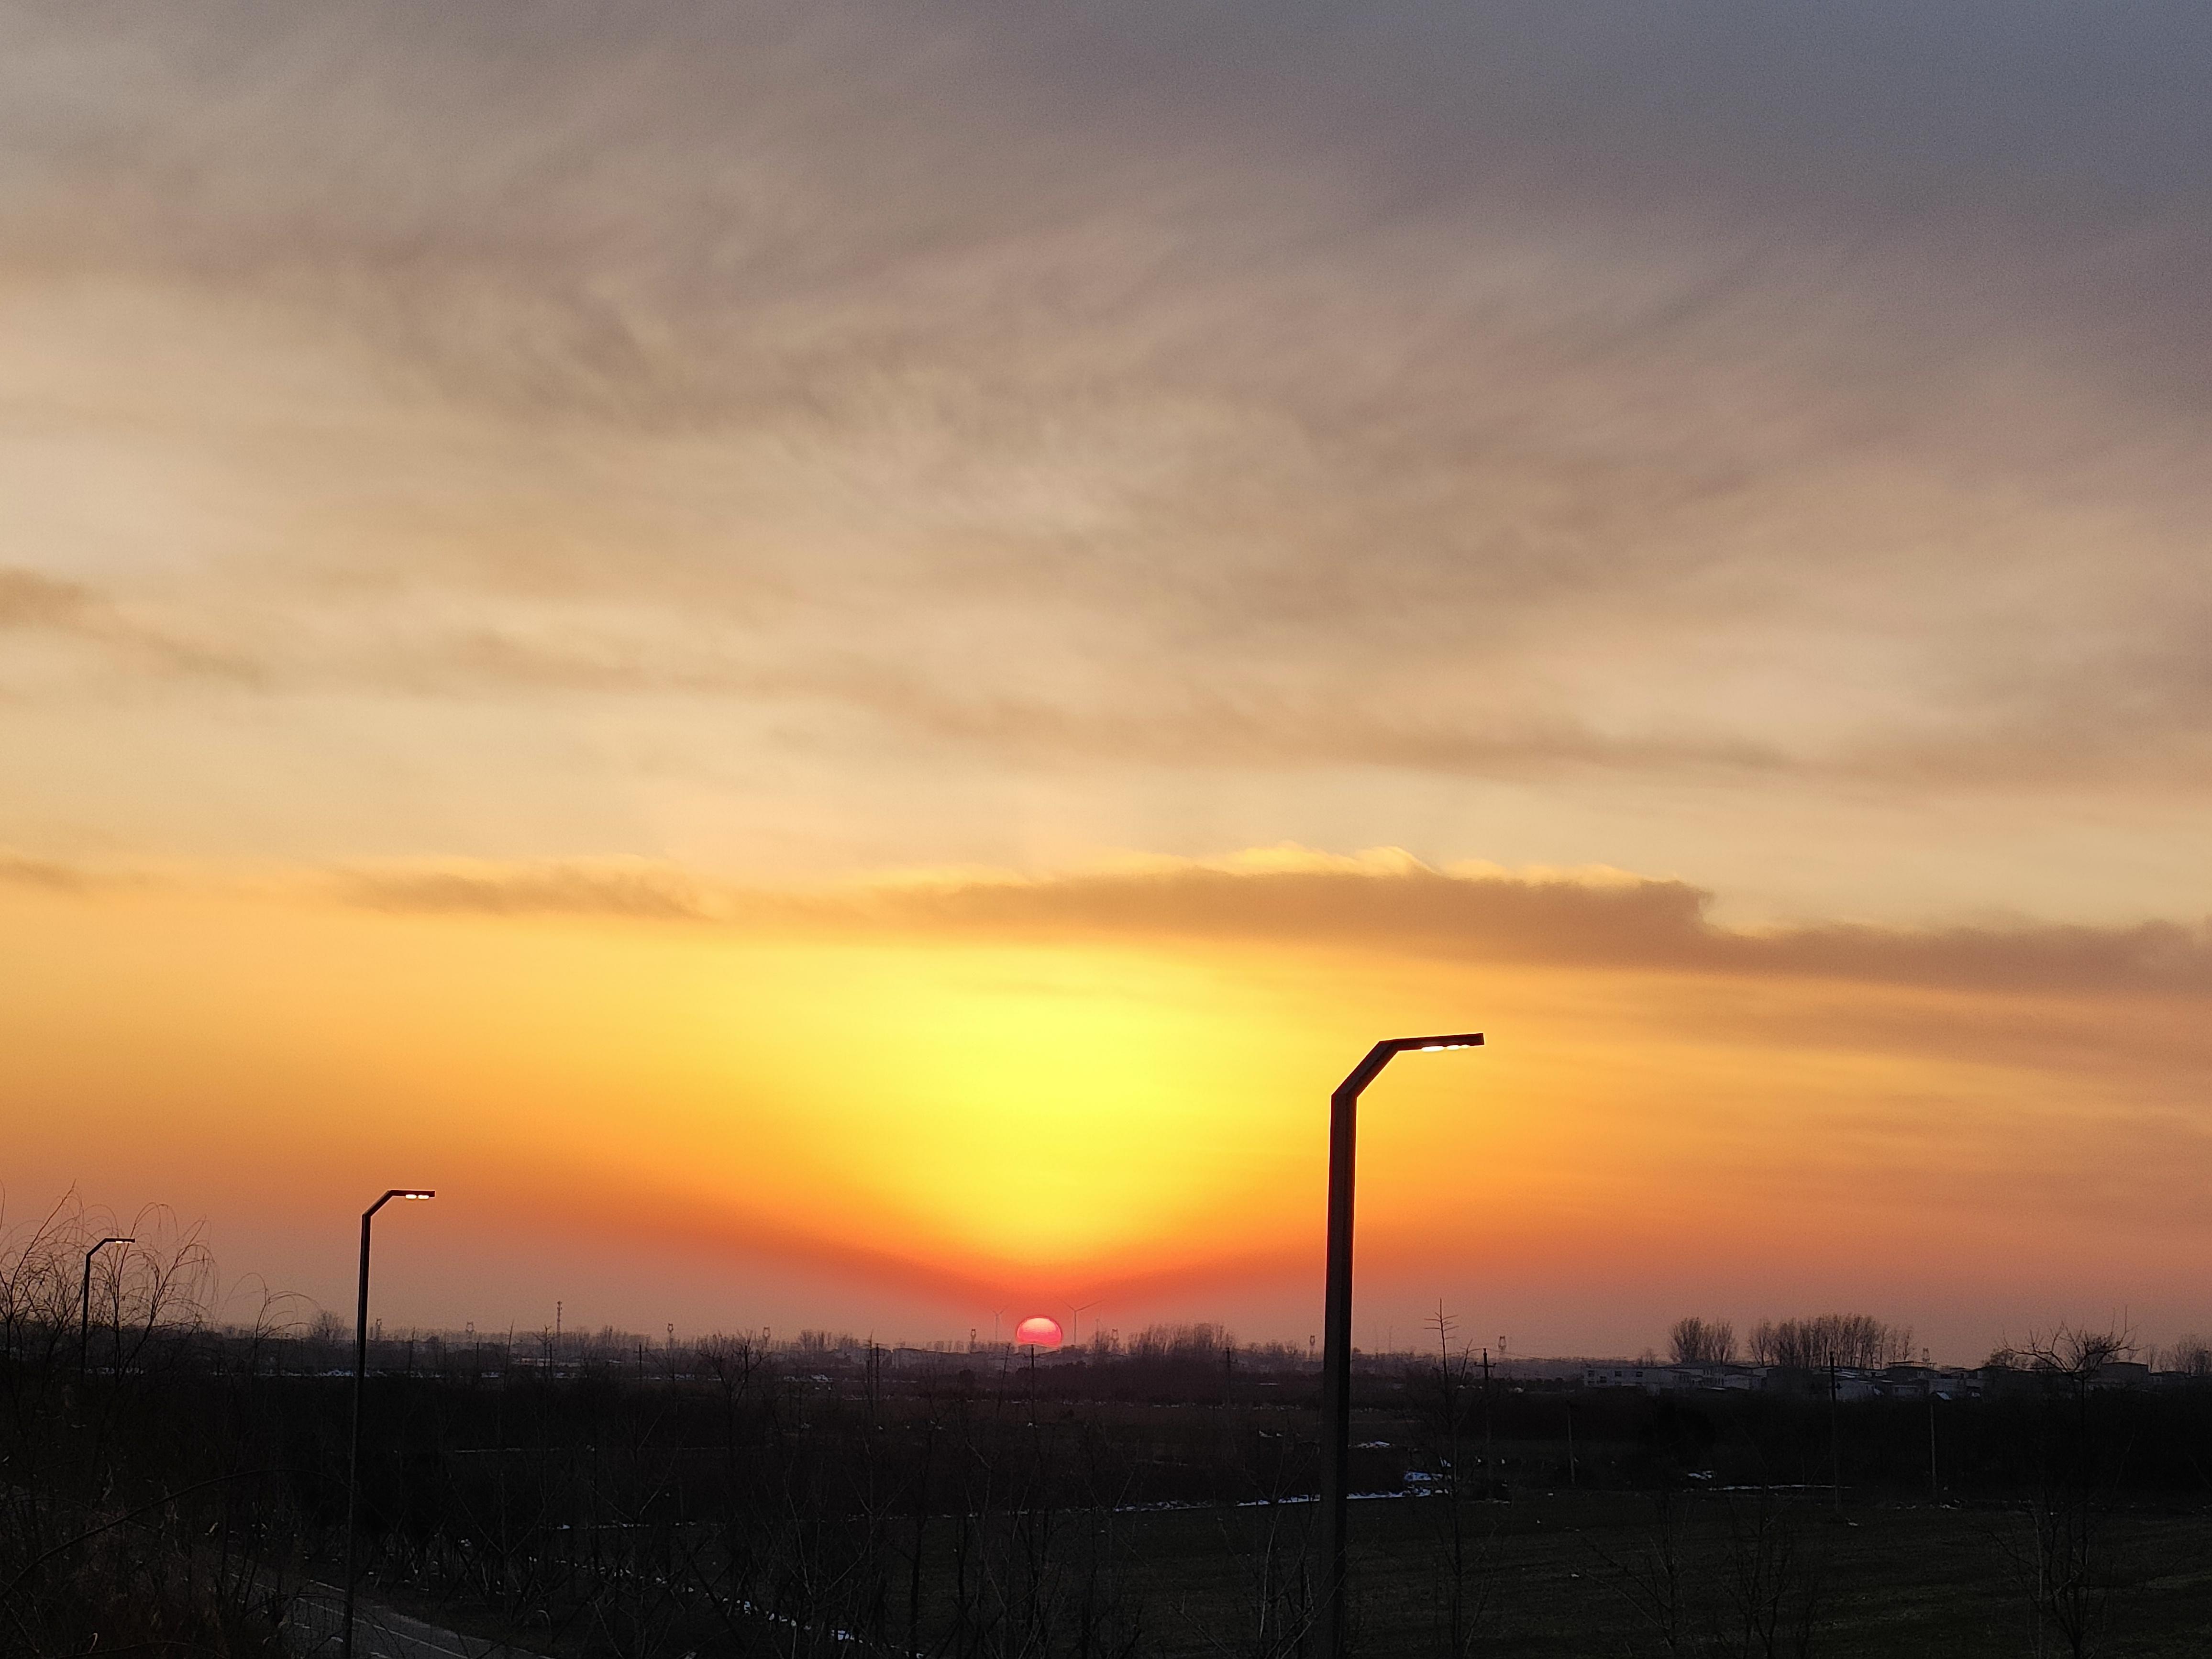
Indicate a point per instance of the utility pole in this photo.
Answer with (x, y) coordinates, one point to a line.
(1489, 1474)
(1934, 1487)
(1835, 1442)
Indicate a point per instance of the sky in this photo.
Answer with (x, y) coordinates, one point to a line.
(831, 662)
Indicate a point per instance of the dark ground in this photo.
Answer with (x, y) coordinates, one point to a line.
(1570, 1575)
(1169, 1526)
(725, 1498)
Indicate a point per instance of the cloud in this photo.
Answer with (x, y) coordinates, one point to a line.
(51, 874)
(29, 600)
(1387, 903)
(1634, 924)
(32, 603)
(1808, 401)
(626, 891)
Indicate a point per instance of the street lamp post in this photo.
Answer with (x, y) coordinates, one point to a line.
(1336, 1323)
(360, 1375)
(84, 1302)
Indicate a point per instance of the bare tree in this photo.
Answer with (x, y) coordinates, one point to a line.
(1695, 1341)
(1830, 1340)
(1770, 1592)
(1462, 1560)
(1654, 1578)
(128, 1519)
(1186, 1342)
(2190, 1355)
(2062, 1556)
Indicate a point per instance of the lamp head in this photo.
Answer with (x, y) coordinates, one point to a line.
(418, 1194)
(1384, 1052)
(1437, 1045)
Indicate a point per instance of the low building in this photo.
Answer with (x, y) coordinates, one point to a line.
(1652, 1379)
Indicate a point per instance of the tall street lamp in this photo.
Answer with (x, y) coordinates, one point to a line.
(360, 1375)
(84, 1302)
(1336, 1321)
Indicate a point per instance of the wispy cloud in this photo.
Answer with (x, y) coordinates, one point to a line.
(53, 875)
(33, 604)
(446, 448)
(29, 600)
(1717, 396)
(653, 895)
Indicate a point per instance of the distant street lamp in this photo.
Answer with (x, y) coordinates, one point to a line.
(360, 1375)
(84, 1302)
(1336, 1323)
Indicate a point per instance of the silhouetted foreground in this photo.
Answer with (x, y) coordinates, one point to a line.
(184, 1491)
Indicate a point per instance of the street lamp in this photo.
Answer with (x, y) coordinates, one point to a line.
(1336, 1321)
(84, 1302)
(360, 1374)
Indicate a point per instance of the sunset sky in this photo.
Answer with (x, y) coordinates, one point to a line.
(831, 662)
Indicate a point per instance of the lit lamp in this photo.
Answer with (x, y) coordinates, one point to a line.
(360, 1374)
(84, 1302)
(1336, 1319)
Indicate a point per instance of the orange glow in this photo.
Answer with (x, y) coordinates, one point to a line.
(726, 632)
(929, 1115)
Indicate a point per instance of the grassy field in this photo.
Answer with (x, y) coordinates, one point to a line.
(1626, 1574)
(811, 1507)
(1565, 1577)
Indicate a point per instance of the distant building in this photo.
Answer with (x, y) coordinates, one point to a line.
(1843, 1382)
(1718, 1378)
(2004, 1380)
(1669, 1379)
(1652, 1379)
(1919, 1382)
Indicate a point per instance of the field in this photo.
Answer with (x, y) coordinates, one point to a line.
(1576, 1575)
(184, 1489)
(1146, 1522)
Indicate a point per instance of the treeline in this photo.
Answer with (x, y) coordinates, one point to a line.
(1859, 1340)
(171, 1483)
(1176, 1342)
(1816, 1343)
(166, 1483)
